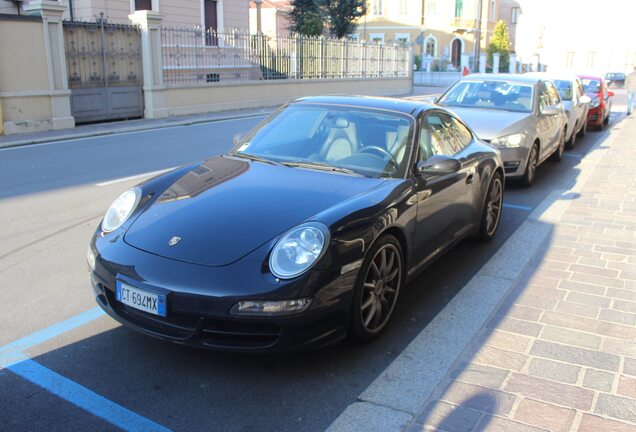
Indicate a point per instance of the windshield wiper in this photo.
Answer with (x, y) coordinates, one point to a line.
(321, 166)
(253, 158)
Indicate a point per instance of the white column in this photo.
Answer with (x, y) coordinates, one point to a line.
(512, 67)
(482, 62)
(150, 24)
(495, 62)
(52, 15)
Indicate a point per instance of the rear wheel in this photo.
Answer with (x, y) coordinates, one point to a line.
(531, 167)
(491, 214)
(558, 153)
(377, 289)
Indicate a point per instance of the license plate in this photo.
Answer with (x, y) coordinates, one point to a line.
(152, 303)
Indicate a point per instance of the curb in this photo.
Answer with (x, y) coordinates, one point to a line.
(420, 373)
(127, 129)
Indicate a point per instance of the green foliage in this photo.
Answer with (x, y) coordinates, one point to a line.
(500, 42)
(417, 61)
(341, 15)
(302, 16)
(307, 17)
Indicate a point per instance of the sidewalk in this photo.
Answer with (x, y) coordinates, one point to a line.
(559, 354)
(124, 126)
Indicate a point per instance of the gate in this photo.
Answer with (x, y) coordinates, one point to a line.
(104, 70)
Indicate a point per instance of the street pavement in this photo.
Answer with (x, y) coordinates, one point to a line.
(91, 373)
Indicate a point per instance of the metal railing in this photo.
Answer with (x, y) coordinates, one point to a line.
(206, 56)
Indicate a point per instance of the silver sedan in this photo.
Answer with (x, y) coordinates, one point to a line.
(521, 115)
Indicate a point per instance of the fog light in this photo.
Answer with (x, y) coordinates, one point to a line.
(272, 308)
(90, 258)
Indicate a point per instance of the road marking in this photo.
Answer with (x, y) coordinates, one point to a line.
(517, 207)
(51, 332)
(83, 397)
(134, 177)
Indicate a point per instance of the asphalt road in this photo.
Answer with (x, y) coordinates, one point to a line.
(52, 197)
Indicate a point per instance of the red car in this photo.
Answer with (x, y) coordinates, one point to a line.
(601, 104)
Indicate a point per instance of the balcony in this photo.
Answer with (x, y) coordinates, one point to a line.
(461, 25)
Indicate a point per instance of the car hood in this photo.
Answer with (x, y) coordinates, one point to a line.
(224, 208)
(489, 124)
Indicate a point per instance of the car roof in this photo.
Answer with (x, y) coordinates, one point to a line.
(516, 78)
(405, 106)
(553, 76)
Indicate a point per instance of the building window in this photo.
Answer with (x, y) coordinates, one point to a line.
(459, 8)
(430, 45)
(569, 62)
(403, 7)
(143, 5)
(211, 22)
(514, 15)
(376, 37)
(431, 8)
(402, 38)
(493, 10)
(377, 8)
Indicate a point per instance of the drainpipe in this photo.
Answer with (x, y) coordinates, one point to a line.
(70, 9)
(478, 35)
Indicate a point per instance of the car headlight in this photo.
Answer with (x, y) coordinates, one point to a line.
(298, 249)
(121, 209)
(595, 102)
(509, 141)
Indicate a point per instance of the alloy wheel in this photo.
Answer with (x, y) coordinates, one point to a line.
(493, 206)
(533, 161)
(381, 287)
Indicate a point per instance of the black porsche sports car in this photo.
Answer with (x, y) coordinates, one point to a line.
(304, 233)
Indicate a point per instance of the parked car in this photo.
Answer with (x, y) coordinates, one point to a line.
(302, 234)
(521, 115)
(601, 104)
(575, 101)
(614, 79)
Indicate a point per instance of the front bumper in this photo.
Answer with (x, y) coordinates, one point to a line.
(514, 160)
(198, 309)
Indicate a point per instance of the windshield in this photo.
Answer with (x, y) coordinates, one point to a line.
(564, 88)
(370, 142)
(591, 85)
(499, 95)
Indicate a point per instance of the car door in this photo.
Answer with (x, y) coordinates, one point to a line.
(443, 200)
(581, 108)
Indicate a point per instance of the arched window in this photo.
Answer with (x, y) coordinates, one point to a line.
(456, 52)
(431, 46)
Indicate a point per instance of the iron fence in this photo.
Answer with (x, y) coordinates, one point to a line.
(206, 56)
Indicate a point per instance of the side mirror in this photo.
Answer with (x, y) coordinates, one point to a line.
(238, 138)
(551, 110)
(438, 164)
(585, 99)
(610, 94)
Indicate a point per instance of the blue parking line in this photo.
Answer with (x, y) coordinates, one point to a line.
(53, 331)
(83, 397)
(517, 207)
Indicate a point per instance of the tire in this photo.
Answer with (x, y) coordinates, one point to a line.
(606, 119)
(375, 296)
(583, 130)
(531, 167)
(569, 144)
(491, 213)
(557, 156)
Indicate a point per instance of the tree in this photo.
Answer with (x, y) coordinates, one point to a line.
(305, 17)
(500, 43)
(341, 15)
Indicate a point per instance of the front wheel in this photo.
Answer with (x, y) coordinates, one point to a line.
(377, 289)
(491, 214)
(531, 167)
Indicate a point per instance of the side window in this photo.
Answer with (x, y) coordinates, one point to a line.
(441, 134)
(544, 97)
(554, 94)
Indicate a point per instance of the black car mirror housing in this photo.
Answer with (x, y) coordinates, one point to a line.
(439, 164)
